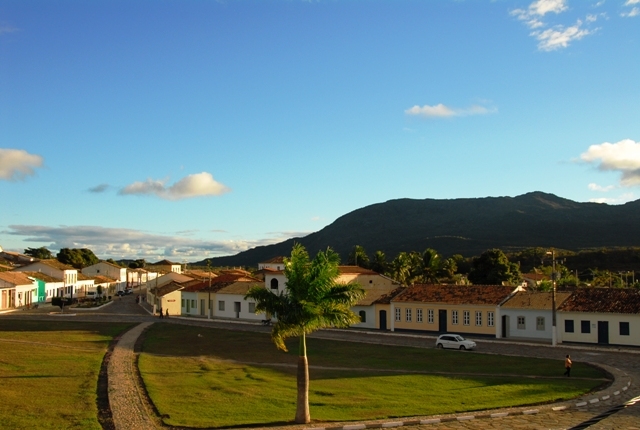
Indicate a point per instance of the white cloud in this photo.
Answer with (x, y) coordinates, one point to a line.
(120, 243)
(596, 187)
(633, 12)
(7, 29)
(631, 2)
(17, 164)
(442, 111)
(624, 198)
(197, 185)
(560, 36)
(623, 157)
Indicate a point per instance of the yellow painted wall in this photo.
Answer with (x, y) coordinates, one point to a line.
(460, 327)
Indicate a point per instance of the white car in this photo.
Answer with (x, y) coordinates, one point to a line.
(454, 341)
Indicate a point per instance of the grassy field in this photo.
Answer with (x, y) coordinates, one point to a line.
(201, 377)
(49, 373)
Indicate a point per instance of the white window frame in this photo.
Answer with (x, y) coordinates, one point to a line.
(398, 314)
(479, 318)
(490, 319)
(521, 322)
(221, 305)
(454, 317)
(430, 316)
(408, 314)
(466, 318)
(419, 315)
(540, 323)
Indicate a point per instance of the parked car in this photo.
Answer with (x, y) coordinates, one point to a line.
(128, 291)
(454, 341)
(120, 293)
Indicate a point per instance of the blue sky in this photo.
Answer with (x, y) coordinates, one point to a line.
(193, 129)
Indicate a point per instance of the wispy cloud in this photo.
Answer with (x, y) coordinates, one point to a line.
(551, 38)
(604, 189)
(560, 36)
(197, 185)
(17, 164)
(4, 28)
(442, 111)
(622, 157)
(99, 188)
(128, 243)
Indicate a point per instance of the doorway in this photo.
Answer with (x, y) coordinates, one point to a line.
(383, 320)
(603, 332)
(442, 320)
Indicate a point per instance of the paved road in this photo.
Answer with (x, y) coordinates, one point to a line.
(624, 364)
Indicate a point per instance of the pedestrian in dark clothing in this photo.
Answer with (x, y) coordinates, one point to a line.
(166, 313)
(160, 313)
(567, 366)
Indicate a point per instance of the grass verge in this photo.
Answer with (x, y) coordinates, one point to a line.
(199, 377)
(49, 372)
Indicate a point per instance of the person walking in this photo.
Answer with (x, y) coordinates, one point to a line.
(166, 313)
(160, 311)
(567, 366)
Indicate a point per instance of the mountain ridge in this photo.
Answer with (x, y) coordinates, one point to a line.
(466, 226)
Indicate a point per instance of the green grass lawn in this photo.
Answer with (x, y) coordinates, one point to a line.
(49, 373)
(226, 378)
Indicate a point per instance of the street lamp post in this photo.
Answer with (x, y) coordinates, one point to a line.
(554, 340)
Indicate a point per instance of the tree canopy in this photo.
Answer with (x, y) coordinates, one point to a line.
(41, 253)
(78, 258)
(493, 267)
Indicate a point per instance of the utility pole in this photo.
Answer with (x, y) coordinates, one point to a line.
(554, 340)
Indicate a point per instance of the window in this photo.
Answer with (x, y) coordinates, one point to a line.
(194, 304)
(478, 318)
(568, 326)
(521, 323)
(430, 316)
(585, 326)
(624, 328)
(408, 314)
(540, 323)
(182, 303)
(490, 319)
(221, 305)
(252, 308)
(274, 284)
(398, 314)
(419, 315)
(454, 317)
(466, 317)
(363, 316)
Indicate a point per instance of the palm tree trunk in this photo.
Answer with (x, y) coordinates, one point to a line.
(302, 411)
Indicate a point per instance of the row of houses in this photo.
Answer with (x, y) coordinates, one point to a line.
(593, 315)
(38, 281)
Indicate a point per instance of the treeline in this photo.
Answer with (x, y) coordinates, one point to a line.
(614, 268)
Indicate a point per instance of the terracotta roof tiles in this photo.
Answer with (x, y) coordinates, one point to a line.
(455, 294)
(603, 300)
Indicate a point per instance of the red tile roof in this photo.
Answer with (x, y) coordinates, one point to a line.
(15, 278)
(455, 294)
(274, 260)
(603, 300)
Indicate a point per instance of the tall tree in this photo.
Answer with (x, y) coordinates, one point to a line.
(431, 266)
(358, 257)
(78, 258)
(41, 253)
(379, 263)
(492, 267)
(312, 300)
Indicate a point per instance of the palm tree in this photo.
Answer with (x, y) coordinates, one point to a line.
(313, 300)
